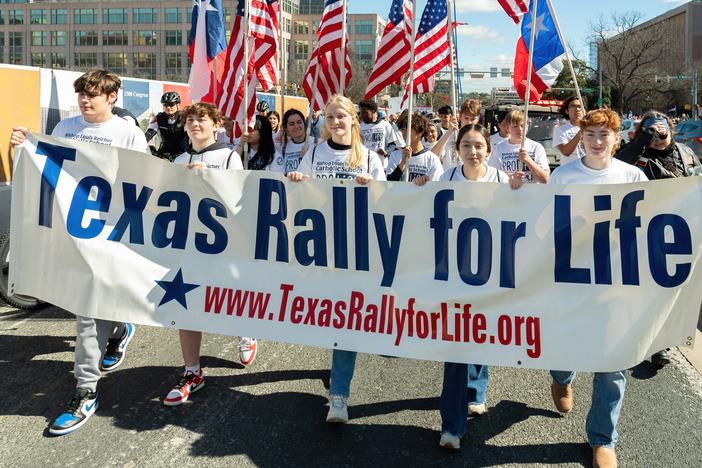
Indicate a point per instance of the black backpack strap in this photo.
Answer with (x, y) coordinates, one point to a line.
(229, 158)
(314, 150)
(453, 173)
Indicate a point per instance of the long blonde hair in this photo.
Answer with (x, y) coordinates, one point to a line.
(356, 156)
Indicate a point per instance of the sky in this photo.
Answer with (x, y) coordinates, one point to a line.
(490, 38)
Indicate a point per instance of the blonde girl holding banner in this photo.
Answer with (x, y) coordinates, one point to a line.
(341, 156)
(457, 402)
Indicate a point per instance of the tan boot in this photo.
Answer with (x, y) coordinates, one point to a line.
(562, 397)
(603, 457)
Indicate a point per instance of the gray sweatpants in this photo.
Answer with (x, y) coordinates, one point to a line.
(91, 340)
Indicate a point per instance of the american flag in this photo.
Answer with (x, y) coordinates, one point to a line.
(393, 58)
(230, 100)
(327, 57)
(264, 29)
(515, 8)
(431, 48)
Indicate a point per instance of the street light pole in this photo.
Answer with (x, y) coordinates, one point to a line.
(695, 111)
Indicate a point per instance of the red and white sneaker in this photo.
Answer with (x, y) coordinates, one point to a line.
(248, 347)
(188, 384)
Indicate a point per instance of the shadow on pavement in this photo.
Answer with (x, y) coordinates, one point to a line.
(234, 415)
(645, 370)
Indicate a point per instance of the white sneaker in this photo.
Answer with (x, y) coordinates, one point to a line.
(338, 410)
(247, 350)
(450, 441)
(477, 409)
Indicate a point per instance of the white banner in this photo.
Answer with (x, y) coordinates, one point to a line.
(449, 271)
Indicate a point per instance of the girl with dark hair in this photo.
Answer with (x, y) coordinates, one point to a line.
(274, 119)
(293, 137)
(465, 385)
(261, 152)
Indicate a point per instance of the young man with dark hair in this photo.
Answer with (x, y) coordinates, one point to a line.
(423, 165)
(101, 345)
(377, 134)
(566, 137)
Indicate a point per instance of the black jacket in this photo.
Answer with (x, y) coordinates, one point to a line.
(676, 161)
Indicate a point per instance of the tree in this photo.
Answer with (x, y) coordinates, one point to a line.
(628, 57)
(564, 87)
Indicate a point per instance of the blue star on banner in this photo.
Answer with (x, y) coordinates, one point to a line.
(176, 289)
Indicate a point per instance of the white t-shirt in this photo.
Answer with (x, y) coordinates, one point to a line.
(220, 156)
(496, 139)
(450, 157)
(290, 160)
(505, 156)
(423, 163)
(114, 132)
(563, 134)
(323, 161)
(455, 173)
(377, 135)
(618, 172)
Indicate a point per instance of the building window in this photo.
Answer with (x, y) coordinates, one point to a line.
(174, 37)
(145, 65)
(115, 61)
(115, 16)
(144, 38)
(301, 49)
(85, 38)
(227, 15)
(364, 50)
(39, 38)
(114, 38)
(2, 45)
(86, 60)
(15, 47)
(84, 16)
(173, 15)
(144, 16)
(15, 16)
(365, 27)
(59, 16)
(58, 60)
(37, 16)
(301, 27)
(173, 66)
(2, 16)
(38, 59)
(58, 38)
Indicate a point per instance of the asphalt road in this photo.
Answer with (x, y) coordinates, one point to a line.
(272, 414)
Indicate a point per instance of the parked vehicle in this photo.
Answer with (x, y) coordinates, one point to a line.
(690, 133)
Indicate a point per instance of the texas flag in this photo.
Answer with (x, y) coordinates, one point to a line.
(207, 41)
(548, 50)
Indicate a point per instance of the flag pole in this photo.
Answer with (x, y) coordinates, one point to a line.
(405, 172)
(451, 51)
(565, 49)
(527, 92)
(283, 63)
(245, 125)
(342, 66)
(314, 98)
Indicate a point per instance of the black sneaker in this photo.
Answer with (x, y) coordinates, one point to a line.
(78, 411)
(661, 358)
(117, 349)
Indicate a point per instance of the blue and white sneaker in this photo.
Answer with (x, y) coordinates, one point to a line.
(117, 349)
(78, 411)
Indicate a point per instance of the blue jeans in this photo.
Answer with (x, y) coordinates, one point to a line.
(343, 365)
(455, 397)
(607, 398)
